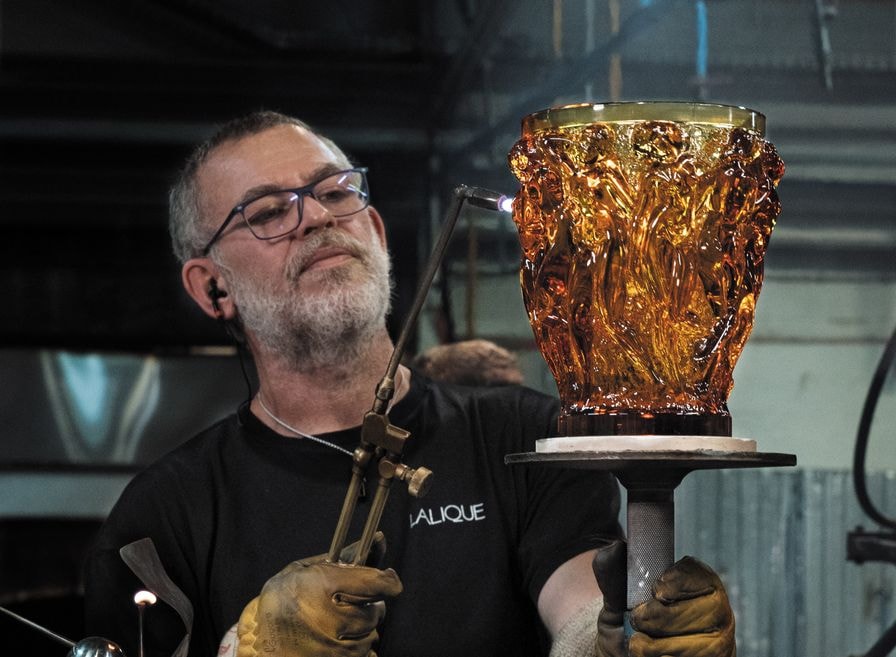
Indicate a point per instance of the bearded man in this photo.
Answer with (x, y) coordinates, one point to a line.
(277, 238)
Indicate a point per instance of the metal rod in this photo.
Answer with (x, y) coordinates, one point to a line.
(52, 635)
(364, 455)
(140, 609)
(345, 516)
(373, 520)
(461, 193)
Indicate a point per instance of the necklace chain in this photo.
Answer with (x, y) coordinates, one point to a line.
(316, 439)
(289, 427)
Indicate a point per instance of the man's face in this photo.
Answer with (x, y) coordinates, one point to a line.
(314, 295)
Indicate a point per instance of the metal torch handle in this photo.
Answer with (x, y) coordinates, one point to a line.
(365, 455)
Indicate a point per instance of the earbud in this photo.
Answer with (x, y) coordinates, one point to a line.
(214, 294)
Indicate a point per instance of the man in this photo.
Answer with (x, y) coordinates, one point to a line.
(273, 226)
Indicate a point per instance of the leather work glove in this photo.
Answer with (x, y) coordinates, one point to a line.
(315, 608)
(688, 615)
(609, 567)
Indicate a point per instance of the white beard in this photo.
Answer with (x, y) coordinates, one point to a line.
(330, 328)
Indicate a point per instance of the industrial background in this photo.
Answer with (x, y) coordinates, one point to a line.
(105, 364)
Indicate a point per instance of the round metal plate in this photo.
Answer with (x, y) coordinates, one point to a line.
(676, 460)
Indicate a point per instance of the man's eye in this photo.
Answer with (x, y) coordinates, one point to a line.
(333, 195)
(267, 214)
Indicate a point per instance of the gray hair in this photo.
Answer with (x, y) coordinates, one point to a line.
(188, 235)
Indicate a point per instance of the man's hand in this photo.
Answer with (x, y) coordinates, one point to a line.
(315, 608)
(688, 616)
(609, 567)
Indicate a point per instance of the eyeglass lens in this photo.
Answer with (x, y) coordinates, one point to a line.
(278, 213)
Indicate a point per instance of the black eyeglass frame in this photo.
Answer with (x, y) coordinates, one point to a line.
(301, 193)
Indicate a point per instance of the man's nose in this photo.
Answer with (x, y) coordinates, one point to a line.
(314, 215)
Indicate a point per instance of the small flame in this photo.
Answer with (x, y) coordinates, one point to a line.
(145, 598)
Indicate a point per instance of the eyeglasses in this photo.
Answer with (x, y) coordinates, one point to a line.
(274, 214)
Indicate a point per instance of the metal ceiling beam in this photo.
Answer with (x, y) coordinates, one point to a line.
(471, 53)
(565, 78)
(187, 132)
(247, 27)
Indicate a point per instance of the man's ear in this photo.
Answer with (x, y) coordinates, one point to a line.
(202, 282)
(379, 225)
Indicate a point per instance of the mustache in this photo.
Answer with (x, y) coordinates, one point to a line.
(323, 238)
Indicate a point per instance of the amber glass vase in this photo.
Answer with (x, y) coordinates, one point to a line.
(644, 228)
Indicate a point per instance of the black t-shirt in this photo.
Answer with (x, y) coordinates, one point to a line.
(231, 507)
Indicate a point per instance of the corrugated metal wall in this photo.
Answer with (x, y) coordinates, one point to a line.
(778, 540)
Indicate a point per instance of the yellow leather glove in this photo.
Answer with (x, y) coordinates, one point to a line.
(314, 608)
(609, 567)
(688, 615)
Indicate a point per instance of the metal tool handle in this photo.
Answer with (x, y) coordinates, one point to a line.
(650, 518)
(381, 442)
(373, 520)
(361, 458)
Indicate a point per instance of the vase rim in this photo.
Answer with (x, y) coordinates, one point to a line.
(581, 114)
